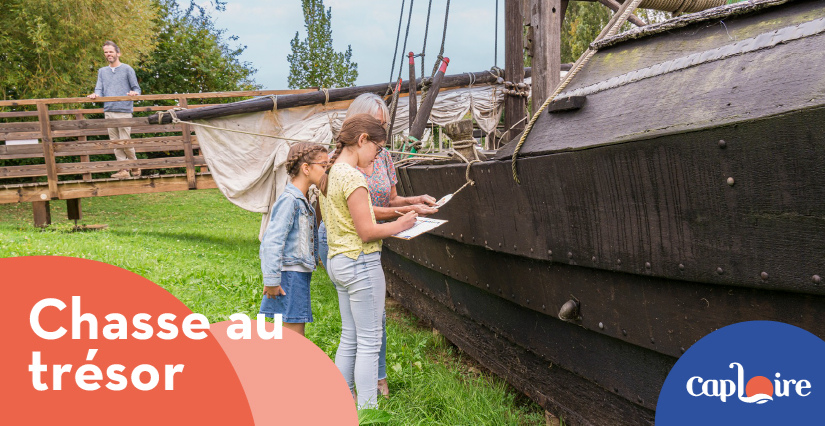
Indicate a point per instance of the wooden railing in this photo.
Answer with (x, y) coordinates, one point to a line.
(45, 130)
(62, 131)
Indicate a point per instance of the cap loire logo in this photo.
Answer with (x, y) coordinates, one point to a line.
(758, 389)
(750, 373)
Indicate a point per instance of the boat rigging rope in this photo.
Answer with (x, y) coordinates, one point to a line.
(395, 52)
(394, 105)
(609, 30)
(495, 43)
(440, 56)
(426, 30)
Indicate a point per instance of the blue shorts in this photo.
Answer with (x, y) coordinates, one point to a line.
(296, 306)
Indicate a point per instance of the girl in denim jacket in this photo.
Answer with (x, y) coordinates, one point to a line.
(288, 248)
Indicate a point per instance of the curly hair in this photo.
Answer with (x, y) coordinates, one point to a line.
(300, 153)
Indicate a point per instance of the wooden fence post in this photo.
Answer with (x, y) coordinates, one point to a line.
(83, 158)
(48, 148)
(42, 213)
(187, 150)
(73, 209)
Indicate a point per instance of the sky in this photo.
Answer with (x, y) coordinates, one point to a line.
(370, 27)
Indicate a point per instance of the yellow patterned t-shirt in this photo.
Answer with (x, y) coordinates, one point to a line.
(343, 179)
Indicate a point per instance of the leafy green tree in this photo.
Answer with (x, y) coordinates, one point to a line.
(191, 55)
(584, 21)
(53, 48)
(313, 62)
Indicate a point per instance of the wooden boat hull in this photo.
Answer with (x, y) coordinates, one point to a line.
(661, 236)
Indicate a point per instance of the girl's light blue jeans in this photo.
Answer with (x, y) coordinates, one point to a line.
(361, 288)
(323, 249)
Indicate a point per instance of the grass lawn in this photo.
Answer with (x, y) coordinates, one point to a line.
(204, 250)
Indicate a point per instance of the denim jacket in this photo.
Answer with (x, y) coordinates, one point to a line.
(291, 237)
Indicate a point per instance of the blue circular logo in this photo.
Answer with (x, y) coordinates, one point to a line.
(756, 372)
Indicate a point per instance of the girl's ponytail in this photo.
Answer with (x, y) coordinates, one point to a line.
(339, 146)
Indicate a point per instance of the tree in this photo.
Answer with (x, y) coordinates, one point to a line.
(54, 48)
(313, 62)
(584, 21)
(191, 55)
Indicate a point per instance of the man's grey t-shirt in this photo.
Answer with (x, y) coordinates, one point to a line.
(116, 82)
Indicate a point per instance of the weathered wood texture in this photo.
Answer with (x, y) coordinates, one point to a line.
(175, 96)
(42, 212)
(546, 24)
(570, 103)
(75, 148)
(188, 152)
(412, 89)
(423, 115)
(82, 111)
(560, 390)
(96, 167)
(659, 207)
(743, 87)
(73, 209)
(84, 158)
(318, 97)
(515, 107)
(103, 188)
(661, 315)
(48, 148)
(167, 128)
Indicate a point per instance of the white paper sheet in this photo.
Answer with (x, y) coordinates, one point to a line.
(422, 225)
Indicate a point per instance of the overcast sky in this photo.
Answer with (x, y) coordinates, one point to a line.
(370, 27)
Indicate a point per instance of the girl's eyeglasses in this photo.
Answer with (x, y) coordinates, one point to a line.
(323, 163)
(380, 147)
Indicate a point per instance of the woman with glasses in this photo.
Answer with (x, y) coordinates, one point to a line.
(386, 203)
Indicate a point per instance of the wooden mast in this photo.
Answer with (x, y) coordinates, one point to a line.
(546, 23)
(515, 107)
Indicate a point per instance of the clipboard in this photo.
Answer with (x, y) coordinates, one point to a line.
(422, 225)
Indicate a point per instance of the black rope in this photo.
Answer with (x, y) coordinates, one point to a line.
(395, 52)
(495, 48)
(394, 105)
(443, 39)
(426, 31)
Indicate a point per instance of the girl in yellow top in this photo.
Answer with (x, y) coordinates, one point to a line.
(354, 258)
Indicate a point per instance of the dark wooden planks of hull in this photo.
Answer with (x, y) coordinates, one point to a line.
(630, 331)
(739, 205)
(578, 401)
(708, 74)
(663, 315)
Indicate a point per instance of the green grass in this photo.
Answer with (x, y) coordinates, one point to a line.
(204, 250)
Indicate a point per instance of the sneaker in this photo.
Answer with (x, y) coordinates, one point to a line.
(123, 174)
(136, 172)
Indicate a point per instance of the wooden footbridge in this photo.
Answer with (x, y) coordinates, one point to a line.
(58, 139)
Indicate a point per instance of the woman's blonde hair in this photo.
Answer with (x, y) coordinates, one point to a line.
(352, 129)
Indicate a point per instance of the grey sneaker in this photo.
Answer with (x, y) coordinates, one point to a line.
(123, 174)
(136, 172)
